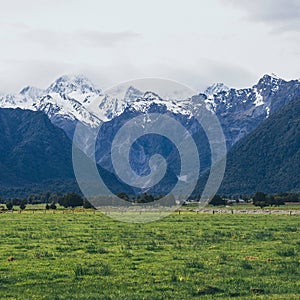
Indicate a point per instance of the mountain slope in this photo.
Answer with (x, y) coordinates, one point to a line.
(268, 159)
(36, 156)
(32, 149)
(144, 147)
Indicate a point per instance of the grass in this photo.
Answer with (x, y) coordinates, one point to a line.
(246, 206)
(187, 256)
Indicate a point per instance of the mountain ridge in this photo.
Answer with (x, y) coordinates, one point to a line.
(67, 101)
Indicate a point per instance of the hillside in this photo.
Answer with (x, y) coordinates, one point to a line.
(36, 156)
(32, 149)
(268, 158)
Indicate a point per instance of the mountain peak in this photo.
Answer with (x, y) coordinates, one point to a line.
(274, 76)
(70, 83)
(268, 79)
(148, 95)
(132, 94)
(31, 91)
(216, 88)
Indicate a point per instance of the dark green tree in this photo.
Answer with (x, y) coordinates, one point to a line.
(260, 199)
(123, 196)
(279, 201)
(23, 205)
(71, 200)
(87, 204)
(217, 200)
(145, 198)
(271, 200)
(52, 205)
(9, 205)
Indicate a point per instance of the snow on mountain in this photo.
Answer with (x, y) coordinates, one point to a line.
(115, 103)
(215, 89)
(242, 110)
(220, 97)
(69, 84)
(143, 104)
(109, 107)
(74, 98)
(259, 99)
(65, 98)
(31, 92)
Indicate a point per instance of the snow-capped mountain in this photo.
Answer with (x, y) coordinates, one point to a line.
(64, 101)
(70, 99)
(65, 96)
(76, 84)
(239, 110)
(242, 110)
(216, 88)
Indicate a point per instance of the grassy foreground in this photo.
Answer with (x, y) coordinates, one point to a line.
(187, 256)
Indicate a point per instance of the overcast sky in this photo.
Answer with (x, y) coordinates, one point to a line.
(196, 42)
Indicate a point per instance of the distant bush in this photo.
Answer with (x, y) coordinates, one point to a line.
(9, 205)
(71, 200)
(217, 200)
(87, 204)
(23, 205)
(52, 205)
(261, 199)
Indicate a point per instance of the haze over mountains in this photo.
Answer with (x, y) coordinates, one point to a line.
(66, 102)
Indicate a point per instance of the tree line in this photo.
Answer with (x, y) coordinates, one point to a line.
(69, 200)
(72, 200)
(258, 199)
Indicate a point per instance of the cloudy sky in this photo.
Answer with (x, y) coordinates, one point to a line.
(196, 42)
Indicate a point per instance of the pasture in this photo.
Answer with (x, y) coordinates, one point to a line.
(86, 255)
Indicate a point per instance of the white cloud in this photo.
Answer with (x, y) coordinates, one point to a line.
(281, 15)
(92, 38)
(195, 42)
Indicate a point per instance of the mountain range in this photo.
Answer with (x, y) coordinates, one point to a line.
(66, 102)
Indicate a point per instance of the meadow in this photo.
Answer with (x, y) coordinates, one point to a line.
(86, 255)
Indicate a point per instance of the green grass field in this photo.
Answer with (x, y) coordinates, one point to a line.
(187, 256)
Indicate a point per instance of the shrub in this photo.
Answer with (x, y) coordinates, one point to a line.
(22, 205)
(9, 205)
(87, 204)
(52, 205)
(71, 200)
(217, 200)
